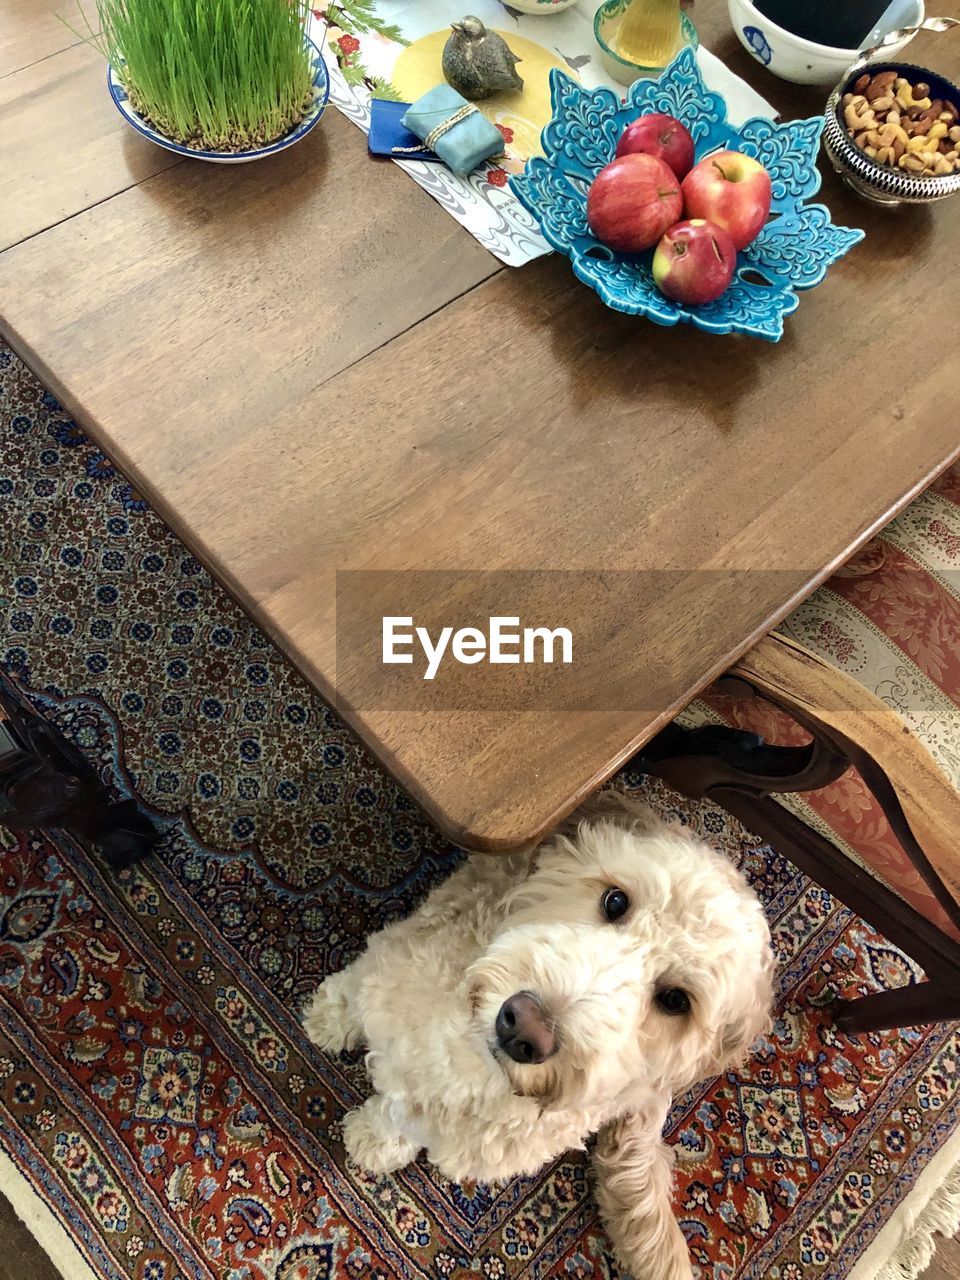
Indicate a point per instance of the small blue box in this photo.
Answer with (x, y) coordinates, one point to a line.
(462, 145)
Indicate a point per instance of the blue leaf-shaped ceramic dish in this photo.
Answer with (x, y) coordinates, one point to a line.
(791, 253)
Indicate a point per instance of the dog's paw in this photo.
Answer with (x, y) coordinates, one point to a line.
(670, 1260)
(330, 1020)
(373, 1144)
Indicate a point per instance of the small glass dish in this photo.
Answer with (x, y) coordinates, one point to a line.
(606, 28)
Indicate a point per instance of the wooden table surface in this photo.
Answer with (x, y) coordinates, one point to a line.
(309, 368)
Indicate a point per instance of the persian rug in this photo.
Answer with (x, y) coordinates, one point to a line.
(163, 1117)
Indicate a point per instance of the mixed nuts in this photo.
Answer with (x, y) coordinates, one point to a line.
(897, 123)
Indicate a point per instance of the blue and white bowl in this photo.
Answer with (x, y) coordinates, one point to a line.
(791, 57)
(321, 92)
(791, 253)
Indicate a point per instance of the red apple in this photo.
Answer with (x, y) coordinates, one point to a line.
(732, 190)
(632, 201)
(694, 262)
(659, 136)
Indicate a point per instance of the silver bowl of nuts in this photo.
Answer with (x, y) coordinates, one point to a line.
(892, 130)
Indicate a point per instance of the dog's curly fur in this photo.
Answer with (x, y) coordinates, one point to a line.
(425, 994)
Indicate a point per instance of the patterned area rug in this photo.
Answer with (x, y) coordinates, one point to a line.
(155, 1088)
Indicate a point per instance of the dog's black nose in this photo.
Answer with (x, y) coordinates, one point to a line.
(523, 1030)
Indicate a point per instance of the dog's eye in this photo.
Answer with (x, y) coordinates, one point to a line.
(673, 1000)
(614, 904)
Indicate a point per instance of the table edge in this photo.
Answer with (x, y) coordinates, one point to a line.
(496, 840)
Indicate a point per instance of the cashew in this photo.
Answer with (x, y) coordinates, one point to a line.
(900, 125)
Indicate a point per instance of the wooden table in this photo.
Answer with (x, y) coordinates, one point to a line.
(308, 368)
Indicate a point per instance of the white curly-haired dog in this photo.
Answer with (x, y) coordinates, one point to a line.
(535, 1000)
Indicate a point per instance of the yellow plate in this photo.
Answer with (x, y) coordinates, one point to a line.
(418, 68)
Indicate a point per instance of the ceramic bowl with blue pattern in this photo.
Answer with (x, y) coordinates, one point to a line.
(801, 61)
(321, 92)
(791, 253)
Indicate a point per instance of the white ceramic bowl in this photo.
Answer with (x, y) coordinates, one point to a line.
(790, 57)
(542, 8)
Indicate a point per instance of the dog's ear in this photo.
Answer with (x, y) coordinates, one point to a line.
(736, 1033)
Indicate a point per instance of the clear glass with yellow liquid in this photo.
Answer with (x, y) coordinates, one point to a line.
(650, 32)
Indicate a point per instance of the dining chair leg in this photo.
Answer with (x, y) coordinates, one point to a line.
(905, 1006)
(909, 1006)
(45, 782)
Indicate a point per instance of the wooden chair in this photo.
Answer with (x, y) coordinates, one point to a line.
(886, 790)
(847, 725)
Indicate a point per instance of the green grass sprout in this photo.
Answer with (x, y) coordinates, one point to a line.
(213, 75)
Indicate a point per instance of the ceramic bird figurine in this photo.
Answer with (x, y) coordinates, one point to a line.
(478, 62)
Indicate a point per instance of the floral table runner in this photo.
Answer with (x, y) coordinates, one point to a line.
(365, 40)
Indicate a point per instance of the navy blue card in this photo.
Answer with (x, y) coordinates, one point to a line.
(388, 137)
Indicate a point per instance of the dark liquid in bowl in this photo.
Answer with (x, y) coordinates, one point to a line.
(842, 24)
